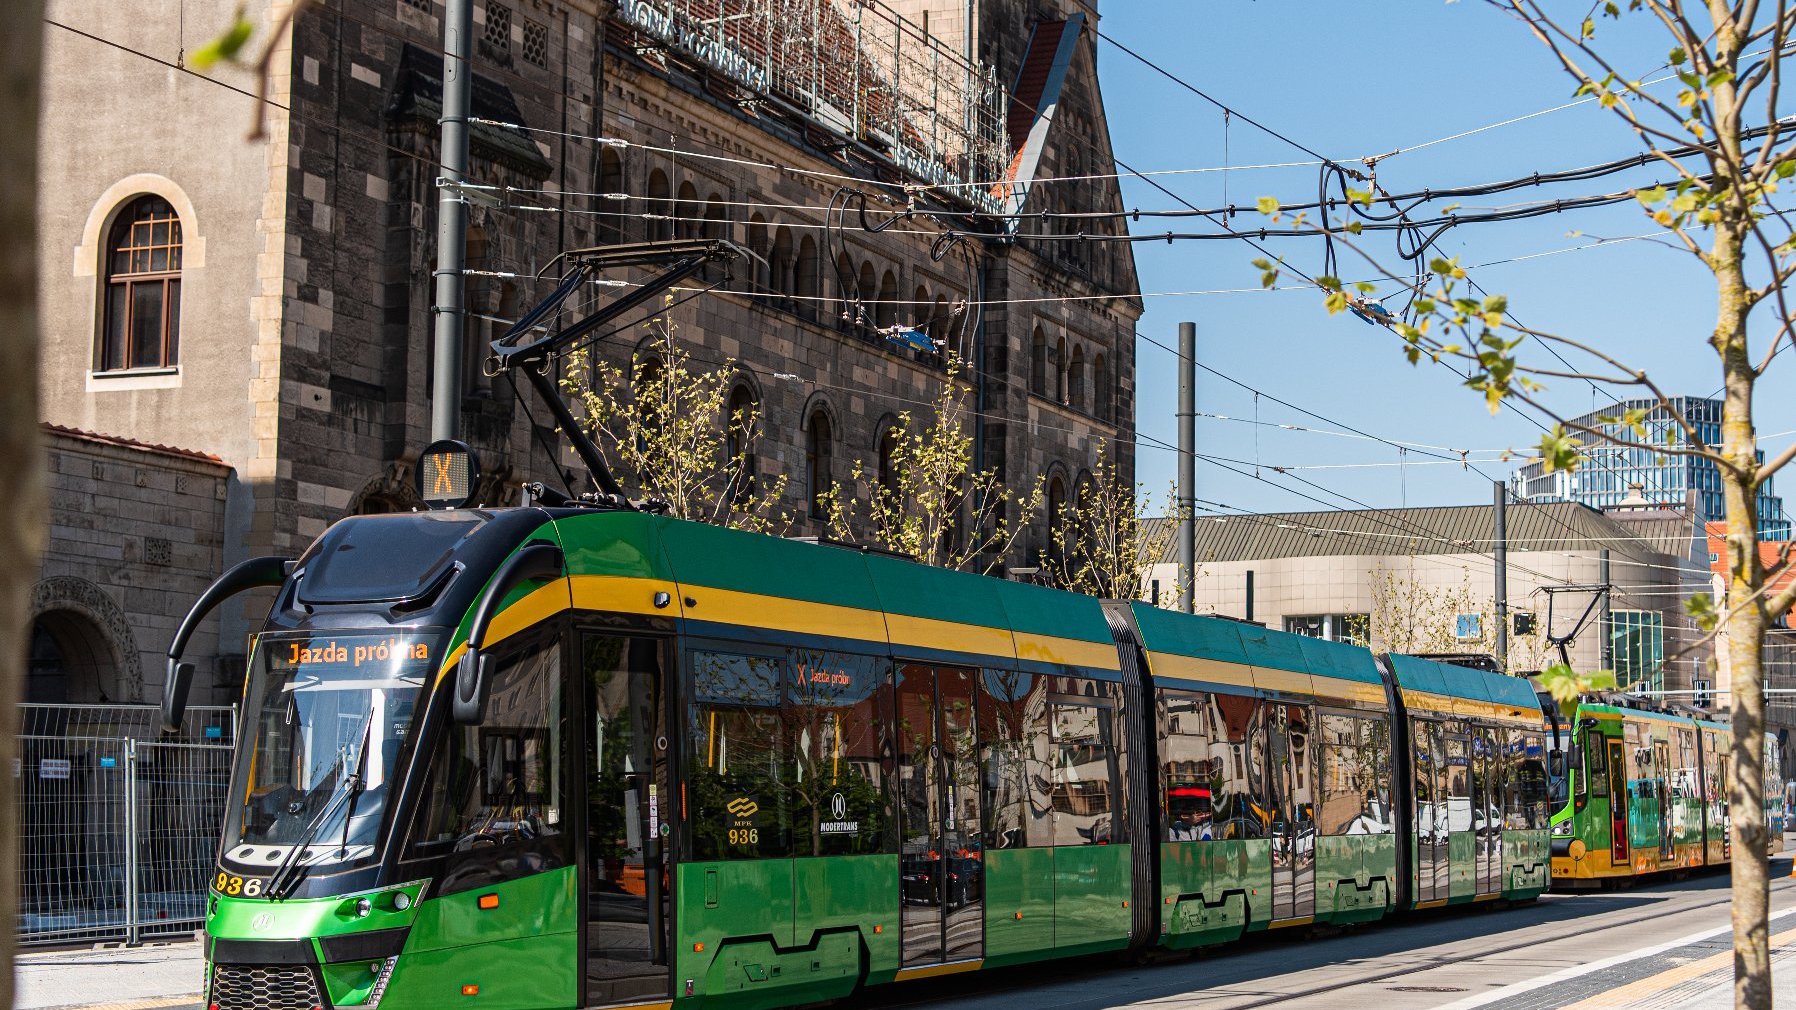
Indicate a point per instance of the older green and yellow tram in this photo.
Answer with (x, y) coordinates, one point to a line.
(1646, 791)
(582, 757)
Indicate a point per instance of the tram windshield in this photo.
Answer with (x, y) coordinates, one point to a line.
(328, 726)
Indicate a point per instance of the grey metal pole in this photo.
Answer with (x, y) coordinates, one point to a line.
(1501, 500)
(1187, 465)
(452, 222)
(1605, 640)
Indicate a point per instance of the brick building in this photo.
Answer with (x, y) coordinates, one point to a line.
(268, 301)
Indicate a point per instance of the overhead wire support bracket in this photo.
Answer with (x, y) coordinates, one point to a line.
(679, 259)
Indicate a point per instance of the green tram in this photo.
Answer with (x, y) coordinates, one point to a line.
(1646, 791)
(581, 757)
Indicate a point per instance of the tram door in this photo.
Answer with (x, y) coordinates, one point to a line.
(1292, 772)
(941, 866)
(1662, 783)
(625, 874)
(1619, 802)
(1487, 807)
(1431, 813)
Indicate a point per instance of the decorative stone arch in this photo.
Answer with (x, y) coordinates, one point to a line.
(819, 449)
(93, 635)
(116, 197)
(392, 491)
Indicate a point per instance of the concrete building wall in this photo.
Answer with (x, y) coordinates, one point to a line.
(1415, 590)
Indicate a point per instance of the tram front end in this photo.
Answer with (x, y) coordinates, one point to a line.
(362, 701)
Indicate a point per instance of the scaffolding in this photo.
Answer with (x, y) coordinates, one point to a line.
(854, 67)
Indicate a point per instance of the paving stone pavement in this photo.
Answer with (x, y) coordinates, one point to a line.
(113, 978)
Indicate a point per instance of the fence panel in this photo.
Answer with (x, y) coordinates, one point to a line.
(117, 825)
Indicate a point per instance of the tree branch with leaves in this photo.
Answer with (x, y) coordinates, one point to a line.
(1726, 146)
(925, 500)
(665, 426)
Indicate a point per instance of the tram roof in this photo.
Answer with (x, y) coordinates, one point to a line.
(796, 588)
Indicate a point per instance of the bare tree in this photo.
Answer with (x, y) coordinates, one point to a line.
(924, 499)
(1722, 151)
(1103, 543)
(671, 430)
(21, 455)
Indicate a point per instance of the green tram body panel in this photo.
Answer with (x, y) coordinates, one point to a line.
(1207, 854)
(1663, 808)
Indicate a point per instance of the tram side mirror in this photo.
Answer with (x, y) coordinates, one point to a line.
(1556, 764)
(469, 703)
(174, 694)
(538, 562)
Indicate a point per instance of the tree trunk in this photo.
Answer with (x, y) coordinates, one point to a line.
(1744, 627)
(21, 454)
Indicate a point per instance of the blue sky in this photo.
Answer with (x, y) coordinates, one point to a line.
(1356, 79)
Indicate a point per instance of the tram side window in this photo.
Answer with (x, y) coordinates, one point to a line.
(1244, 797)
(1190, 768)
(1085, 787)
(1344, 784)
(1596, 763)
(1526, 800)
(1013, 734)
(1684, 781)
(839, 782)
(736, 756)
(499, 787)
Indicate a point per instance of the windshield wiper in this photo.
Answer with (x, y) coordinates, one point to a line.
(356, 784)
(288, 875)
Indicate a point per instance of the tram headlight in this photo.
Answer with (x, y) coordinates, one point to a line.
(363, 907)
(402, 901)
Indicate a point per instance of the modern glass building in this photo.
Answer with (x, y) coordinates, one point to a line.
(1603, 479)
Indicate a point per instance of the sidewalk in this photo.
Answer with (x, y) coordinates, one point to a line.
(115, 978)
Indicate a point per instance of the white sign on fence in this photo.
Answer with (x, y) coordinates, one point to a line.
(53, 768)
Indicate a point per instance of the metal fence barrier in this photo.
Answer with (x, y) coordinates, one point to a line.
(118, 824)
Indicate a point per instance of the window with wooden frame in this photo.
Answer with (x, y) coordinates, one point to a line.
(141, 315)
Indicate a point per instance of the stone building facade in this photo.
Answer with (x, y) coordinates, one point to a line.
(137, 532)
(269, 300)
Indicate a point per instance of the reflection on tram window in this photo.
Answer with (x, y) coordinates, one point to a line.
(1456, 753)
(1013, 730)
(1194, 750)
(1355, 777)
(738, 794)
(498, 787)
(1085, 784)
(838, 783)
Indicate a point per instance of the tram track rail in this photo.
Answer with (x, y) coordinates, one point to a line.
(970, 986)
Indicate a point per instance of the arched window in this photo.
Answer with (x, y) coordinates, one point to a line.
(1100, 383)
(845, 289)
(689, 211)
(650, 401)
(886, 474)
(781, 261)
(817, 463)
(804, 285)
(739, 443)
(1075, 379)
(715, 226)
(1056, 514)
(659, 226)
(1038, 363)
(1060, 364)
(887, 315)
(943, 330)
(142, 318)
(868, 290)
(611, 180)
(758, 244)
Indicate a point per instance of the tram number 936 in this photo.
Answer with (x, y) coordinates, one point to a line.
(745, 836)
(235, 886)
